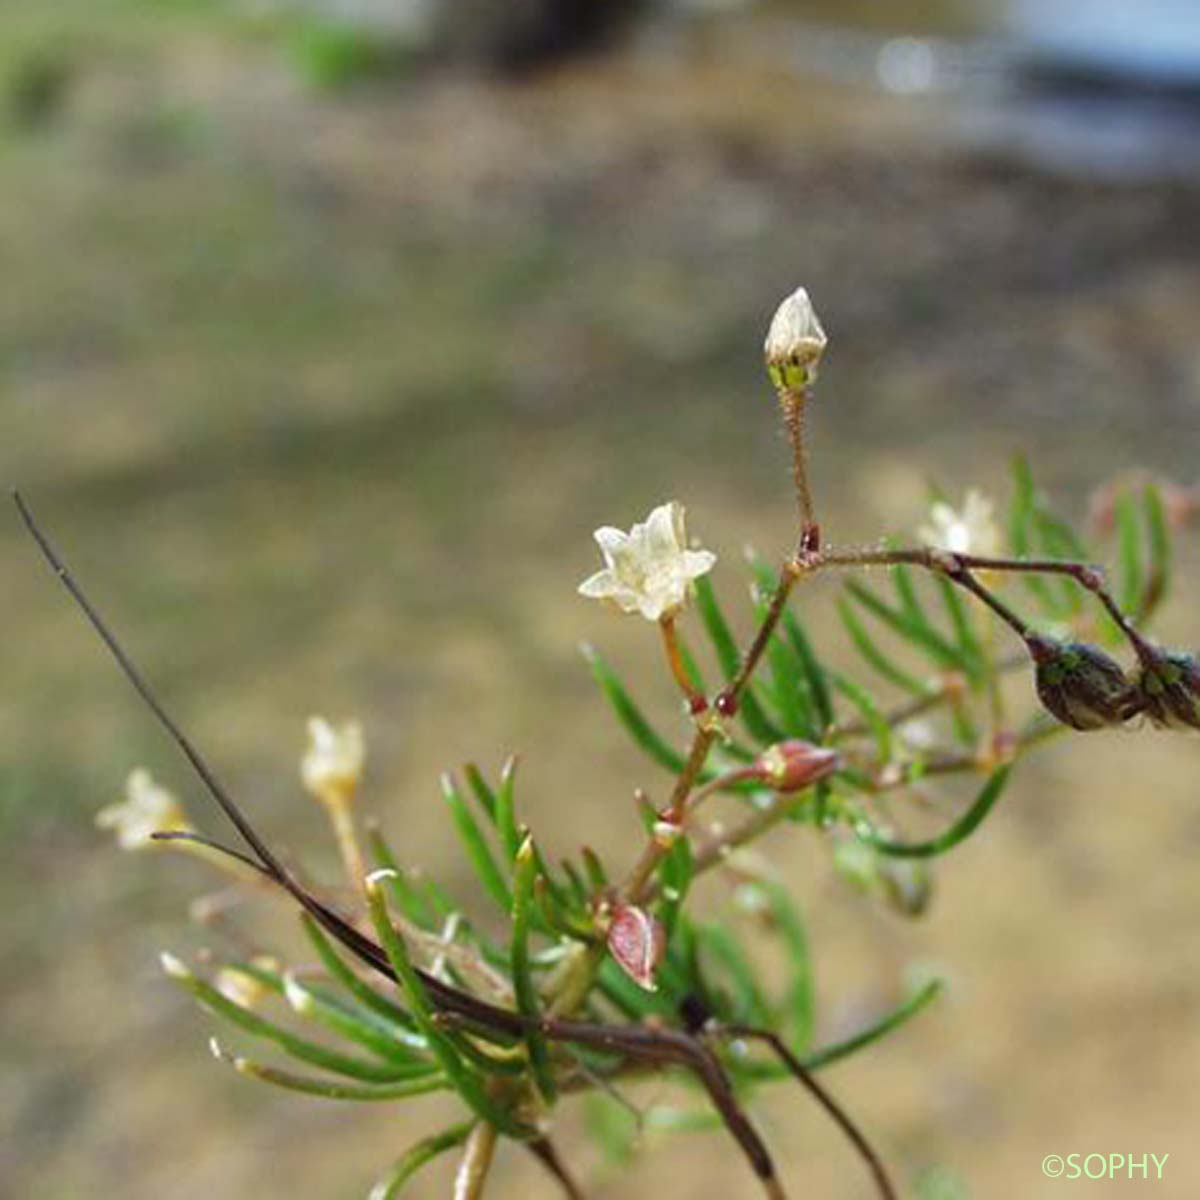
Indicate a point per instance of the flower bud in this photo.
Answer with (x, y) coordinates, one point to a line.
(1080, 685)
(147, 809)
(333, 762)
(794, 764)
(637, 942)
(795, 343)
(1169, 687)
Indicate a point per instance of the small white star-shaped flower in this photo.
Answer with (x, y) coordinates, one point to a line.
(971, 529)
(333, 763)
(649, 569)
(146, 809)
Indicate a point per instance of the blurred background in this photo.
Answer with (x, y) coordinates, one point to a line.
(329, 330)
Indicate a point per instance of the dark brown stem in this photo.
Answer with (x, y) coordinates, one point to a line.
(543, 1149)
(827, 1102)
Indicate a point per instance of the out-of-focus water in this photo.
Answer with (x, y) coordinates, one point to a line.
(1109, 88)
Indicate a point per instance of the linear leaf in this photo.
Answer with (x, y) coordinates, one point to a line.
(442, 1045)
(330, 1089)
(1158, 540)
(1021, 520)
(814, 673)
(869, 711)
(879, 1029)
(416, 1157)
(1129, 559)
(476, 846)
(360, 990)
(298, 1047)
(959, 831)
(920, 634)
(718, 943)
(631, 716)
(408, 900)
(524, 987)
(506, 812)
(873, 656)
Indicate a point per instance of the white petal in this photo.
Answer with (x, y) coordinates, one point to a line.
(662, 527)
(698, 562)
(598, 586)
(611, 541)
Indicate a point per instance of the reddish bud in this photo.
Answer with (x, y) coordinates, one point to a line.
(794, 764)
(637, 943)
(727, 704)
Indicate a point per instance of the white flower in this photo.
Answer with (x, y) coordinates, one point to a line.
(650, 568)
(333, 763)
(969, 530)
(147, 809)
(795, 343)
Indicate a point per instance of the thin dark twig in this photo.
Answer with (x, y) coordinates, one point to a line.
(543, 1149)
(182, 835)
(831, 1106)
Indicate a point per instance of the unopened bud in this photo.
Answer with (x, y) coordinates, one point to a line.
(795, 343)
(332, 765)
(637, 942)
(1169, 686)
(1081, 685)
(794, 764)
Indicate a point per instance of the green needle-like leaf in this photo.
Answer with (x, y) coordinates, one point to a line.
(1129, 559)
(718, 944)
(331, 1089)
(476, 846)
(919, 632)
(464, 1080)
(873, 656)
(415, 907)
(259, 1026)
(869, 711)
(676, 874)
(506, 811)
(415, 1158)
(631, 716)
(960, 619)
(959, 831)
(801, 996)
(359, 1026)
(524, 987)
(482, 790)
(1021, 529)
(879, 1029)
(358, 988)
(1159, 546)
(814, 673)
